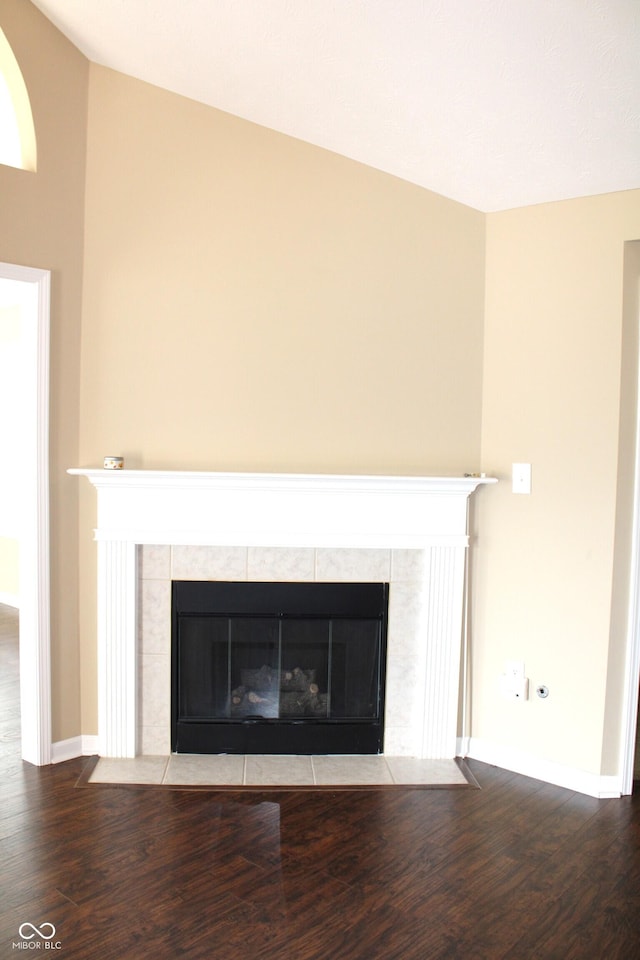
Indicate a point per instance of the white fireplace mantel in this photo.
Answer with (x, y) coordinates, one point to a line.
(138, 507)
(262, 509)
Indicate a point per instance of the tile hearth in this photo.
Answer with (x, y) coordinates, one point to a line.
(278, 771)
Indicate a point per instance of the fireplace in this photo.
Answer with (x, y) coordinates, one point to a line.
(409, 532)
(278, 668)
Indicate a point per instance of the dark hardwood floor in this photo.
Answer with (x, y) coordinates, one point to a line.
(518, 869)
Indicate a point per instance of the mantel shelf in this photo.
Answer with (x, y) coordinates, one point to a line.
(280, 509)
(300, 482)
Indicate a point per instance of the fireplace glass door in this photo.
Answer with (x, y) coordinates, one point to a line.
(278, 668)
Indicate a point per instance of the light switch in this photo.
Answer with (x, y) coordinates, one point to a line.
(521, 477)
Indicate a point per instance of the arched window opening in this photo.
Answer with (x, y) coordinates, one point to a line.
(17, 133)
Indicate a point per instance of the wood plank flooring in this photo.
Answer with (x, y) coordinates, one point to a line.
(518, 869)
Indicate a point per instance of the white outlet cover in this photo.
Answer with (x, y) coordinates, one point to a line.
(514, 689)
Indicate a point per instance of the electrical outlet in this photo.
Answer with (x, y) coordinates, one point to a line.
(514, 669)
(513, 683)
(514, 689)
(520, 689)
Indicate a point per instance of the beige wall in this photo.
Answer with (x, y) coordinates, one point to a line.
(41, 225)
(252, 302)
(552, 393)
(255, 302)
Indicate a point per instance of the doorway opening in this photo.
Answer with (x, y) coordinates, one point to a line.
(24, 310)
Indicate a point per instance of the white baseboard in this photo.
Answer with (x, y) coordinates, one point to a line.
(10, 599)
(74, 747)
(593, 784)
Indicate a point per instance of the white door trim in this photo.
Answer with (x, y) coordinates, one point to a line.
(632, 665)
(632, 655)
(34, 596)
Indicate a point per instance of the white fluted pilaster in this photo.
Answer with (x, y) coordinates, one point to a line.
(117, 657)
(442, 627)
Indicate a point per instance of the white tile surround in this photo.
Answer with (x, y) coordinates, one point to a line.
(155, 526)
(402, 569)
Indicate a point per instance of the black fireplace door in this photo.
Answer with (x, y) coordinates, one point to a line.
(278, 668)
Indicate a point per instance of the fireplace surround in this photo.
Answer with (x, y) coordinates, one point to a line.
(157, 526)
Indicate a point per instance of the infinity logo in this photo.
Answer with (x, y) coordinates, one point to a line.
(36, 930)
